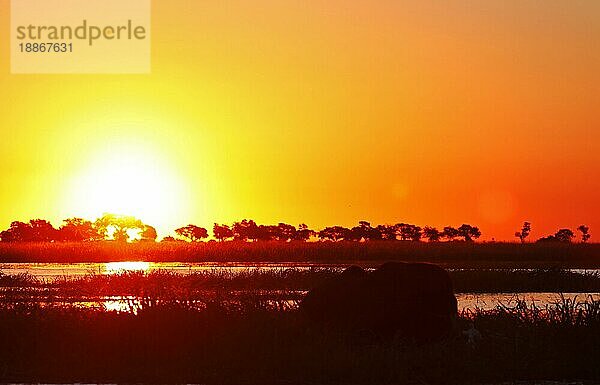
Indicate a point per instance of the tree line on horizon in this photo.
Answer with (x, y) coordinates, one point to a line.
(121, 228)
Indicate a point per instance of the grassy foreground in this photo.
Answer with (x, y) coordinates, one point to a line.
(452, 254)
(253, 342)
(217, 327)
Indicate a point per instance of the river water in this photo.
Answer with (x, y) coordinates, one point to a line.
(54, 270)
(49, 271)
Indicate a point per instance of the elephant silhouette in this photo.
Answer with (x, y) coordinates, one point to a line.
(413, 301)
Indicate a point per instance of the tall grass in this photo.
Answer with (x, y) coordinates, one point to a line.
(239, 326)
(457, 254)
(254, 343)
(168, 283)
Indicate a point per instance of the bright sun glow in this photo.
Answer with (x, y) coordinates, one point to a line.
(121, 267)
(125, 180)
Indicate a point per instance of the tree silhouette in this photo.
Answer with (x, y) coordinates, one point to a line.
(192, 233)
(468, 232)
(335, 233)
(266, 233)
(364, 231)
(524, 233)
(117, 226)
(564, 235)
(148, 234)
(450, 233)
(403, 230)
(37, 230)
(585, 233)
(43, 231)
(388, 233)
(432, 234)
(284, 232)
(370, 233)
(303, 233)
(354, 234)
(78, 230)
(245, 230)
(408, 232)
(222, 232)
(17, 232)
(127, 228)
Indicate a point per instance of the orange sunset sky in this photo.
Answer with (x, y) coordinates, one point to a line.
(323, 112)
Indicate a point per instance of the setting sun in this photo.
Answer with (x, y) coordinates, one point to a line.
(128, 180)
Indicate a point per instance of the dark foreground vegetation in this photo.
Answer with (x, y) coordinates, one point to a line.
(289, 282)
(245, 327)
(458, 254)
(254, 342)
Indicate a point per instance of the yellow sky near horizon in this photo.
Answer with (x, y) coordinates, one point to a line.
(321, 112)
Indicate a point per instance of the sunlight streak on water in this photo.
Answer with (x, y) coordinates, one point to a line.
(54, 270)
(487, 301)
(124, 267)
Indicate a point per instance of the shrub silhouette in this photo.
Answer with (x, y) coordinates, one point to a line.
(562, 235)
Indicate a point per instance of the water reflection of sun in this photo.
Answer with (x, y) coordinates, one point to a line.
(123, 267)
